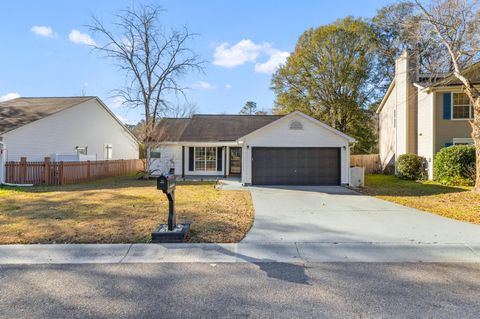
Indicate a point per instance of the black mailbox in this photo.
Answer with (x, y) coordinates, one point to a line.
(166, 183)
(171, 232)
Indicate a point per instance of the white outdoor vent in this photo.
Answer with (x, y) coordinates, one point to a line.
(296, 125)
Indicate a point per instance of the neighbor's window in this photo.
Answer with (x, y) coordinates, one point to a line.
(461, 108)
(463, 141)
(82, 150)
(205, 158)
(155, 153)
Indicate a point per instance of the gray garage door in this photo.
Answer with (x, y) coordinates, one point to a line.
(295, 166)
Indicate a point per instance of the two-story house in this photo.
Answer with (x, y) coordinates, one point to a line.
(420, 115)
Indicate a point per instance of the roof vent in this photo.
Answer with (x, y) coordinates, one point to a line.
(296, 125)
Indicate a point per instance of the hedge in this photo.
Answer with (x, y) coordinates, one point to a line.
(455, 165)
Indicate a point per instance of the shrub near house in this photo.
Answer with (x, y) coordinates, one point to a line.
(455, 165)
(411, 166)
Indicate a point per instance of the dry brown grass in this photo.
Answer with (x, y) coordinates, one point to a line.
(120, 210)
(453, 202)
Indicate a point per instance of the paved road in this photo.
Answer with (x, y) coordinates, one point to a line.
(241, 290)
(336, 214)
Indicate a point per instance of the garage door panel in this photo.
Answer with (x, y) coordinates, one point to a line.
(295, 166)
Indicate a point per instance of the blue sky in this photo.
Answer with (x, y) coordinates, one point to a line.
(243, 41)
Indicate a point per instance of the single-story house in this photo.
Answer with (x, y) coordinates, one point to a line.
(421, 114)
(293, 149)
(63, 128)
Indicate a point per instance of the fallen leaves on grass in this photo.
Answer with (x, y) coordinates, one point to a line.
(120, 210)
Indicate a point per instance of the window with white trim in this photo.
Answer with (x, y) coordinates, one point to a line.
(155, 153)
(81, 150)
(461, 106)
(462, 141)
(205, 158)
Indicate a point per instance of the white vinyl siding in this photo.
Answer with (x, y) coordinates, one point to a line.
(387, 130)
(279, 134)
(85, 125)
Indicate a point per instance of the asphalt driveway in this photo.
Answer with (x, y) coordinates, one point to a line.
(338, 215)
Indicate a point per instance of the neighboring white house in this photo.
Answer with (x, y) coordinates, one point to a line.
(294, 149)
(63, 128)
(420, 114)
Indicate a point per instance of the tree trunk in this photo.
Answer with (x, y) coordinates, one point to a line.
(476, 140)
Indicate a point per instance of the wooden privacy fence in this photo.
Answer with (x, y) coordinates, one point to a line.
(371, 162)
(62, 173)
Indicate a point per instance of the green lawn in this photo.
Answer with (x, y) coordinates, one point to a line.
(119, 210)
(453, 202)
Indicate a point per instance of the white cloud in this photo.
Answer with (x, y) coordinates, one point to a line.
(125, 120)
(116, 102)
(277, 58)
(80, 38)
(238, 54)
(228, 86)
(203, 85)
(9, 96)
(43, 31)
(230, 56)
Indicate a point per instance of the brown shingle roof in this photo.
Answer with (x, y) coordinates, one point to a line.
(171, 129)
(21, 111)
(472, 73)
(211, 128)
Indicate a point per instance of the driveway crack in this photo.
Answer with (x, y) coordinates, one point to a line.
(298, 252)
(126, 254)
(472, 250)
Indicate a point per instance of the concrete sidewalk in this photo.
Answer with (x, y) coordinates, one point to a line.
(291, 252)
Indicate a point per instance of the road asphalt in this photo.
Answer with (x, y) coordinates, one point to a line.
(241, 290)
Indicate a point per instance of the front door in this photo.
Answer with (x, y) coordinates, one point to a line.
(235, 160)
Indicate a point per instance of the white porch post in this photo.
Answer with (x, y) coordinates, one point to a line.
(3, 156)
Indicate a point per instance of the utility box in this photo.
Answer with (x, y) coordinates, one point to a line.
(357, 176)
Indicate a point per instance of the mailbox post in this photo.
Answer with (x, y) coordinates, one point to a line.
(167, 184)
(171, 232)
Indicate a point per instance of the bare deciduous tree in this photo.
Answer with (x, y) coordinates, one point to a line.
(179, 111)
(456, 25)
(153, 60)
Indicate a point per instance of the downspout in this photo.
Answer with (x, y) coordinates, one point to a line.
(395, 115)
(3, 156)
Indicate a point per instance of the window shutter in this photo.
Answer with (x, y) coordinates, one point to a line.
(447, 106)
(219, 159)
(190, 158)
(448, 144)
